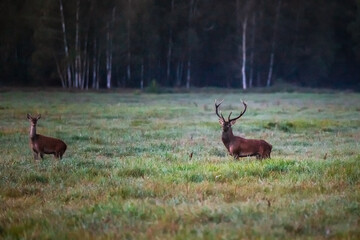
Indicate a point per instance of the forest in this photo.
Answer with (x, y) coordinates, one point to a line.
(93, 44)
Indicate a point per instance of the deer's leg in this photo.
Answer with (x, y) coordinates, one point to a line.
(36, 156)
(42, 155)
(58, 155)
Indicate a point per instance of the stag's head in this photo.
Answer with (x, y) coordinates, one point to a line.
(33, 120)
(226, 125)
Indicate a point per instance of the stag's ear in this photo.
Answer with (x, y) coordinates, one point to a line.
(233, 122)
(28, 116)
(39, 116)
(221, 122)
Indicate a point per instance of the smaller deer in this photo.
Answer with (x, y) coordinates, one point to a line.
(44, 145)
(238, 146)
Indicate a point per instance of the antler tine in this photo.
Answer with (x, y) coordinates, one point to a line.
(219, 103)
(217, 108)
(242, 113)
(229, 116)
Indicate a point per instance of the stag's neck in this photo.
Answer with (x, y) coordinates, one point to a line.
(227, 136)
(32, 131)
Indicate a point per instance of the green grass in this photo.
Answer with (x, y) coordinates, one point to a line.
(127, 172)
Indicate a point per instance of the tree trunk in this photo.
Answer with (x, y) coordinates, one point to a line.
(188, 73)
(168, 60)
(272, 54)
(108, 58)
(128, 67)
(98, 68)
(87, 73)
(179, 70)
(94, 76)
(109, 52)
(243, 68)
(168, 65)
(86, 63)
(63, 82)
(142, 75)
(251, 78)
(66, 48)
(192, 10)
(77, 47)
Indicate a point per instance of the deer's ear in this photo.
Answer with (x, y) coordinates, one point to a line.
(233, 122)
(221, 121)
(28, 116)
(39, 116)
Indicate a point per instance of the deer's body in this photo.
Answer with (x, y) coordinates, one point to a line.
(241, 147)
(238, 146)
(41, 145)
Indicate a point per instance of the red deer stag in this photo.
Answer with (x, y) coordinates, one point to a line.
(238, 146)
(44, 145)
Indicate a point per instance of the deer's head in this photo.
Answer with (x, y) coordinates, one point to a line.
(33, 120)
(226, 125)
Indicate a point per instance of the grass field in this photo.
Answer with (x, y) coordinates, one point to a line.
(127, 173)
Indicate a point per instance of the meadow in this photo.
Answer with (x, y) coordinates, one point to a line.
(152, 166)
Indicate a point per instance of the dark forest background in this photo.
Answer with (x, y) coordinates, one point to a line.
(179, 43)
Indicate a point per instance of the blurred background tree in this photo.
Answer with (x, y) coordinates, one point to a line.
(129, 43)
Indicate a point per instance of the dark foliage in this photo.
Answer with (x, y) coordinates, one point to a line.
(131, 43)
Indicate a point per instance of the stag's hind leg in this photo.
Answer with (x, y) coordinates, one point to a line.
(265, 155)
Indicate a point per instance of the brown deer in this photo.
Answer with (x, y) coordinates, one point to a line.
(44, 145)
(238, 146)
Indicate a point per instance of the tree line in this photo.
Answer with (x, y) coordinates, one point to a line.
(92, 44)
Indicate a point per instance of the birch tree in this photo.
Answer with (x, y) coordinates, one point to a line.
(170, 44)
(253, 33)
(241, 23)
(273, 44)
(77, 47)
(191, 40)
(66, 48)
(243, 68)
(128, 67)
(109, 49)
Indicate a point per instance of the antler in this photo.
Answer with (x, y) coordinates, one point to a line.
(217, 108)
(242, 113)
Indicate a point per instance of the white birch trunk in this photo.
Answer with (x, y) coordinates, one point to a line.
(77, 47)
(243, 68)
(98, 68)
(87, 73)
(251, 77)
(66, 48)
(94, 76)
(128, 67)
(63, 82)
(192, 10)
(109, 51)
(188, 73)
(168, 67)
(108, 65)
(272, 54)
